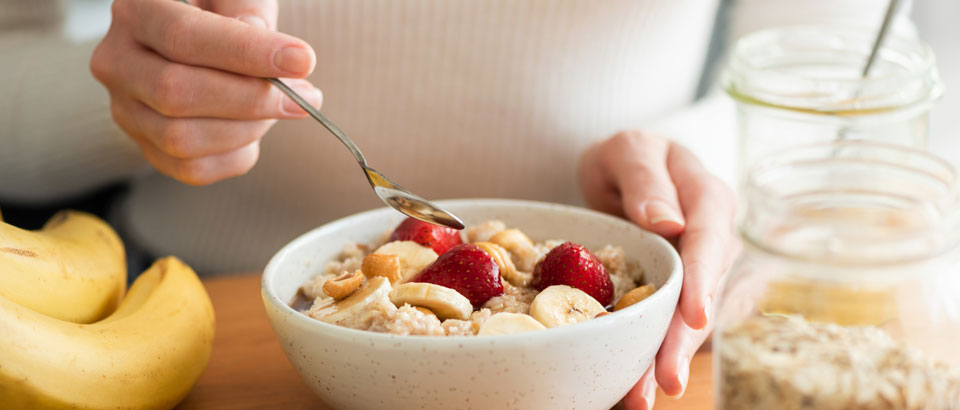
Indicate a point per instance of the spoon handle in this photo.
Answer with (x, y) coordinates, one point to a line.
(878, 41)
(315, 113)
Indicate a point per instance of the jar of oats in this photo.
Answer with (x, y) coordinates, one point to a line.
(847, 293)
(803, 85)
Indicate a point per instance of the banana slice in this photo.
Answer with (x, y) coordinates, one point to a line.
(446, 303)
(560, 305)
(505, 323)
(373, 294)
(519, 244)
(483, 231)
(507, 268)
(413, 257)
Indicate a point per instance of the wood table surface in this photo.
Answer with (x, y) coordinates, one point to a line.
(248, 369)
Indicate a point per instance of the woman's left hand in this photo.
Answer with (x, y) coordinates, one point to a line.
(662, 187)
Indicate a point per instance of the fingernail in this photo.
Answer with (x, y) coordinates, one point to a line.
(308, 92)
(255, 21)
(707, 303)
(294, 60)
(650, 394)
(683, 376)
(658, 211)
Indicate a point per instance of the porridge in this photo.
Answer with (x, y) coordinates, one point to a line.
(787, 363)
(425, 279)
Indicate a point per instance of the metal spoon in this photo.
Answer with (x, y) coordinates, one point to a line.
(874, 51)
(392, 194)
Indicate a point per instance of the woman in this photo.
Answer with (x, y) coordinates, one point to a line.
(451, 99)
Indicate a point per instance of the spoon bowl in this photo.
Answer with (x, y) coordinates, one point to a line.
(408, 203)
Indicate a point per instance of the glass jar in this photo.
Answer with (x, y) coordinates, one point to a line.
(847, 293)
(803, 85)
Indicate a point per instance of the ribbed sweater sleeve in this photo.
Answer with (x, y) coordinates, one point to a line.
(57, 138)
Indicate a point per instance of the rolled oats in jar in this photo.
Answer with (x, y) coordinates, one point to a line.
(847, 293)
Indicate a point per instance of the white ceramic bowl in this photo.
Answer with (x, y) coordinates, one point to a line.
(589, 365)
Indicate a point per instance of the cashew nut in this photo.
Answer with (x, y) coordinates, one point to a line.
(387, 266)
(343, 285)
(634, 296)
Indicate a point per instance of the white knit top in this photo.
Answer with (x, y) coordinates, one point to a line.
(492, 98)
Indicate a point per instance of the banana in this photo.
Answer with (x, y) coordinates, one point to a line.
(413, 257)
(357, 307)
(507, 269)
(483, 231)
(560, 305)
(146, 355)
(446, 303)
(520, 246)
(73, 269)
(505, 323)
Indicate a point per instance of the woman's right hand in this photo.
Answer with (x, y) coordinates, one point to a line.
(187, 84)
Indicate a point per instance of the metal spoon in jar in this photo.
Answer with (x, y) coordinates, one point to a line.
(874, 51)
(392, 194)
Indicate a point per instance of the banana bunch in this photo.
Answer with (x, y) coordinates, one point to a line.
(73, 269)
(67, 340)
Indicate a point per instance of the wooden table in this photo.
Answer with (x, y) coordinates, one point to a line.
(248, 370)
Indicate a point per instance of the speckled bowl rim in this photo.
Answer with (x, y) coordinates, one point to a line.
(671, 285)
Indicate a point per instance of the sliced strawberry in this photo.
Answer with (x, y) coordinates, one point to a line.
(440, 238)
(468, 270)
(573, 265)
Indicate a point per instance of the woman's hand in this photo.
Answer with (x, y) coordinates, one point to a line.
(662, 187)
(185, 83)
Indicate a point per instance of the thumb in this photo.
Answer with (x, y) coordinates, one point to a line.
(649, 197)
(258, 13)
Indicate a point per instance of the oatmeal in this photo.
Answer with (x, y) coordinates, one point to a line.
(786, 363)
(423, 279)
(514, 299)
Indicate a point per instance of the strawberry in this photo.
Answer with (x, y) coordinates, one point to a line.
(573, 265)
(440, 238)
(468, 270)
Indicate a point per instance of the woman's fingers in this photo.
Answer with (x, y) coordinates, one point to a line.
(196, 151)
(638, 162)
(632, 166)
(599, 190)
(257, 13)
(191, 36)
(709, 207)
(187, 83)
(188, 138)
(673, 359)
(205, 170)
(178, 90)
(643, 394)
